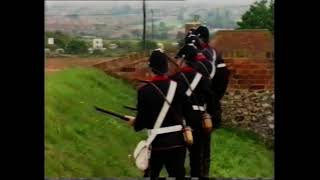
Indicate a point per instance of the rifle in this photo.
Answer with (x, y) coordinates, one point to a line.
(118, 115)
(131, 108)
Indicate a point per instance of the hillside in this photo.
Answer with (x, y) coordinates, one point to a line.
(80, 142)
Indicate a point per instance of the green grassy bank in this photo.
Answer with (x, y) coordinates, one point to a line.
(80, 142)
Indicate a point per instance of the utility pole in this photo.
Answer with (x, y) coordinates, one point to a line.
(152, 24)
(144, 25)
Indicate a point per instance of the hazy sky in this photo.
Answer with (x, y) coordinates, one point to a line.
(226, 1)
(218, 2)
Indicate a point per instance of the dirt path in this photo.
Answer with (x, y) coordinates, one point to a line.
(57, 64)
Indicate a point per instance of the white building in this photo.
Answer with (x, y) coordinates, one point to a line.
(97, 44)
(51, 41)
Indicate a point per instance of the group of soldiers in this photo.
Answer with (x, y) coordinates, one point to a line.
(193, 97)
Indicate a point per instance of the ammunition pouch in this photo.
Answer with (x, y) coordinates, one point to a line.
(206, 122)
(187, 135)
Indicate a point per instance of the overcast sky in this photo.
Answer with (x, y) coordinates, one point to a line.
(220, 2)
(226, 1)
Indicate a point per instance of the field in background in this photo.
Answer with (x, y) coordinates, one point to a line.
(80, 142)
(60, 63)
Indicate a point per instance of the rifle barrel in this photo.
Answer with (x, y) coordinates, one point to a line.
(131, 108)
(111, 113)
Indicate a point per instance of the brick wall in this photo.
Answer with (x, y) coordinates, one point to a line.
(254, 44)
(249, 56)
(251, 74)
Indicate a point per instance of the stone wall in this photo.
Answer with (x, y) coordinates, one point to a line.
(250, 109)
(249, 101)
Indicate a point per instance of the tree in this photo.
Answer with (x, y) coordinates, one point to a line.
(60, 38)
(259, 16)
(149, 44)
(76, 46)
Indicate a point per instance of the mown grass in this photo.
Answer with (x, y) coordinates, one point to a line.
(80, 142)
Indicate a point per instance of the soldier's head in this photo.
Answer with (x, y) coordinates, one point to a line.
(158, 62)
(203, 33)
(186, 54)
(193, 39)
(191, 31)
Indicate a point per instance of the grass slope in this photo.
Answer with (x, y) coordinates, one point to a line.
(79, 142)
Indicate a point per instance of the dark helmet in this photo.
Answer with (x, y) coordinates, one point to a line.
(158, 62)
(203, 33)
(188, 52)
(193, 39)
(191, 31)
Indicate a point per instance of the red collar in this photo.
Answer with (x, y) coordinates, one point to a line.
(159, 78)
(200, 57)
(204, 45)
(187, 69)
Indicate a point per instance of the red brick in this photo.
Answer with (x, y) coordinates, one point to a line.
(260, 76)
(243, 86)
(249, 66)
(256, 87)
(253, 66)
(270, 66)
(232, 70)
(260, 72)
(236, 76)
(270, 71)
(270, 87)
(233, 81)
(243, 82)
(244, 71)
(233, 87)
(258, 81)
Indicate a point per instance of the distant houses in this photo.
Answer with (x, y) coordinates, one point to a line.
(50, 41)
(97, 43)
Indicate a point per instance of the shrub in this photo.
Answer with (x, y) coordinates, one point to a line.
(77, 47)
(149, 45)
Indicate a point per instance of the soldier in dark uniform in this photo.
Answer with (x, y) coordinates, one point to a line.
(203, 65)
(197, 90)
(220, 79)
(167, 149)
(207, 69)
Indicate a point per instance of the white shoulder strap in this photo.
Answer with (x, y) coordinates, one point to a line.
(194, 84)
(213, 71)
(214, 55)
(214, 58)
(164, 110)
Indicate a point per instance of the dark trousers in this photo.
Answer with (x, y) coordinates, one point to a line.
(206, 157)
(199, 154)
(173, 159)
(217, 116)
